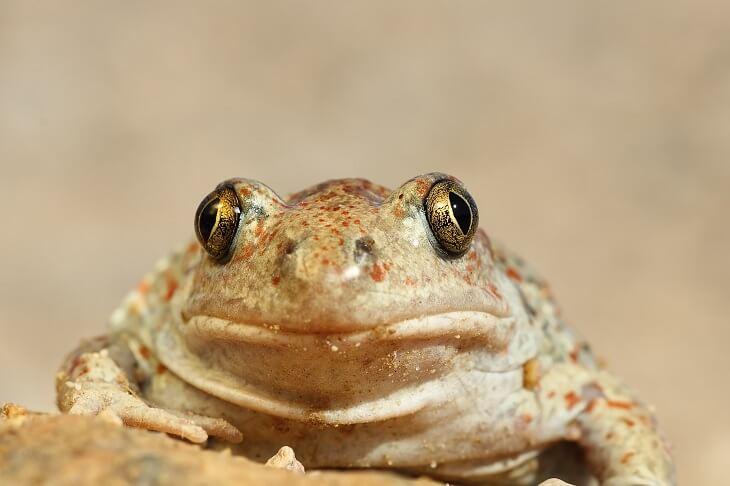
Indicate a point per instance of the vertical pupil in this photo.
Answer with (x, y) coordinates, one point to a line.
(208, 217)
(461, 212)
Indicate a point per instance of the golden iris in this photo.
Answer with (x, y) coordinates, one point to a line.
(452, 215)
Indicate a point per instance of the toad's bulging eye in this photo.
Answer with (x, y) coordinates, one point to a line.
(452, 215)
(216, 222)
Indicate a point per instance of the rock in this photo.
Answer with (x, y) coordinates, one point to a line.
(554, 482)
(77, 450)
(285, 459)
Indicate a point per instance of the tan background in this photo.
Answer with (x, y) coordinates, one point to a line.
(595, 137)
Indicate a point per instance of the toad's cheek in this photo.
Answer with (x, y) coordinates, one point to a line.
(373, 375)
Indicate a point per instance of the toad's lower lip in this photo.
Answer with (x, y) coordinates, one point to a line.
(317, 377)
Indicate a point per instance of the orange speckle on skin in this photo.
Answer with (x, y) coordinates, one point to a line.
(143, 287)
(527, 418)
(626, 457)
(513, 274)
(275, 280)
(248, 250)
(531, 374)
(345, 224)
(574, 355)
(591, 405)
(422, 187)
(377, 273)
(145, 352)
(609, 436)
(571, 399)
(259, 228)
(629, 422)
(620, 404)
(171, 288)
(161, 368)
(551, 394)
(409, 281)
(192, 248)
(492, 289)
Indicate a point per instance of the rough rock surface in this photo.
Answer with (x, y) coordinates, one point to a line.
(75, 450)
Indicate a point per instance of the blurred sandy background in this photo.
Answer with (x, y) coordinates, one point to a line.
(595, 137)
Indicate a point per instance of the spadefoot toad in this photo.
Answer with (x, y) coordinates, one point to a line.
(365, 328)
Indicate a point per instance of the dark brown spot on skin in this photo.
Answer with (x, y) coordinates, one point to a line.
(161, 368)
(145, 352)
(289, 247)
(363, 248)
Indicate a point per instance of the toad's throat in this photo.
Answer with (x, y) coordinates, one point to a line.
(349, 378)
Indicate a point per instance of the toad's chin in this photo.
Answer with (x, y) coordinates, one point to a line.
(378, 374)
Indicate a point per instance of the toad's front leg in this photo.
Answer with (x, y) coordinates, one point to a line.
(617, 432)
(93, 380)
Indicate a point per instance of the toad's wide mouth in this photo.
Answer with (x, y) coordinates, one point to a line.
(495, 329)
(385, 372)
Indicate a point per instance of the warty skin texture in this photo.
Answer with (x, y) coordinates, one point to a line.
(337, 325)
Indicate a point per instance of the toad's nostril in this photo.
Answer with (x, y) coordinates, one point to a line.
(289, 246)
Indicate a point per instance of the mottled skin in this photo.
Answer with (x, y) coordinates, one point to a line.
(338, 328)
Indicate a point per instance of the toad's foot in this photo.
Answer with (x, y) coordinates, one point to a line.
(93, 384)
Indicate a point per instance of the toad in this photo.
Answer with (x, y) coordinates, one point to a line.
(365, 328)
